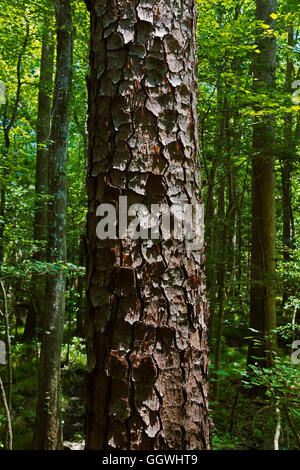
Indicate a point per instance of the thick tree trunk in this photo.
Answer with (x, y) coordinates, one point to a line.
(147, 314)
(48, 420)
(37, 304)
(262, 297)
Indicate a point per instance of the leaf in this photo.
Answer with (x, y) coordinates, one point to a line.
(222, 372)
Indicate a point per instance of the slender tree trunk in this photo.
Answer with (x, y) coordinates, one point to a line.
(80, 292)
(233, 145)
(289, 155)
(37, 305)
(262, 297)
(221, 309)
(48, 433)
(210, 237)
(240, 247)
(217, 223)
(227, 224)
(9, 438)
(147, 314)
(2, 220)
(7, 397)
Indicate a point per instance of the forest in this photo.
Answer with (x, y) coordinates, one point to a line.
(149, 225)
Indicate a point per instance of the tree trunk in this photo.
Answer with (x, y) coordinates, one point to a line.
(289, 155)
(211, 241)
(213, 224)
(80, 286)
(147, 385)
(37, 305)
(221, 309)
(48, 433)
(214, 221)
(227, 226)
(262, 297)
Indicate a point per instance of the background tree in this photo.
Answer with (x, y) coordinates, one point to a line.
(48, 431)
(37, 304)
(262, 297)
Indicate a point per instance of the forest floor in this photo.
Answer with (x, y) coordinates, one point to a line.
(25, 396)
(73, 392)
(242, 421)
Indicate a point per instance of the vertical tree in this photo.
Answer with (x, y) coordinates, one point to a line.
(48, 418)
(227, 222)
(262, 297)
(214, 220)
(146, 307)
(288, 157)
(37, 306)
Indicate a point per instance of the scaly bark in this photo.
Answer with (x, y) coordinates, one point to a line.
(147, 314)
(48, 434)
